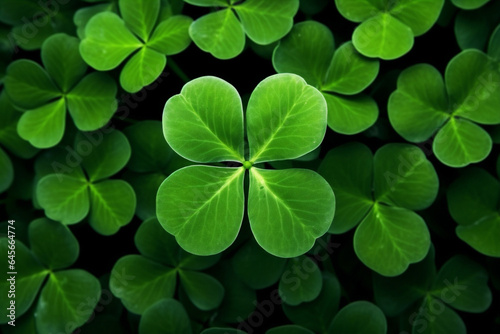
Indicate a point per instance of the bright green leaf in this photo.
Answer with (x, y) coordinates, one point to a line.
(62, 60)
(53, 243)
(289, 209)
(44, 126)
(142, 69)
(109, 154)
(359, 10)
(219, 33)
(396, 235)
(140, 16)
(267, 21)
(202, 206)
(461, 142)
(27, 78)
(419, 15)
(201, 128)
(59, 308)
(286, 118)
(107, 42)
(349, 72)
(112, 206)
(383, 36)
(307, 51)
(418, 108)
(92, 102)
(350, 114)
(404, 177)
(64, 198)
(171, 36)
(472, 83)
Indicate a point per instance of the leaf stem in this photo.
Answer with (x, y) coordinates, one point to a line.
(177, 70)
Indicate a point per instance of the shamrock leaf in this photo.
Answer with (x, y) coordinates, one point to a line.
(61, 86)
(424, 105)
(222, 33)
(402, 180)
(168, 316)
(156, 271)
(473, 201)
(59, 305)
(308, 50)
(460, 284)
(388, 28)
(286, 119)
(141, 34)
(84, 189)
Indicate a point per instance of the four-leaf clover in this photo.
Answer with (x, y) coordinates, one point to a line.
(203, 206)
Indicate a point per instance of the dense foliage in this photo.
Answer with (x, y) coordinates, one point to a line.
(253, 166)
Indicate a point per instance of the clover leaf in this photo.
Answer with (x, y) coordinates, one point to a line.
(110, 39)
(61, 86)
(322, 315)
(167, 316)
(388, 27)
(222, 33)
(460, 284)
(82, 189)
(423, 105)
(152, 160)
(309, 51)
(62, 294)
(380, 193)
(473, 201)
(155, 272)
(203, 206)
